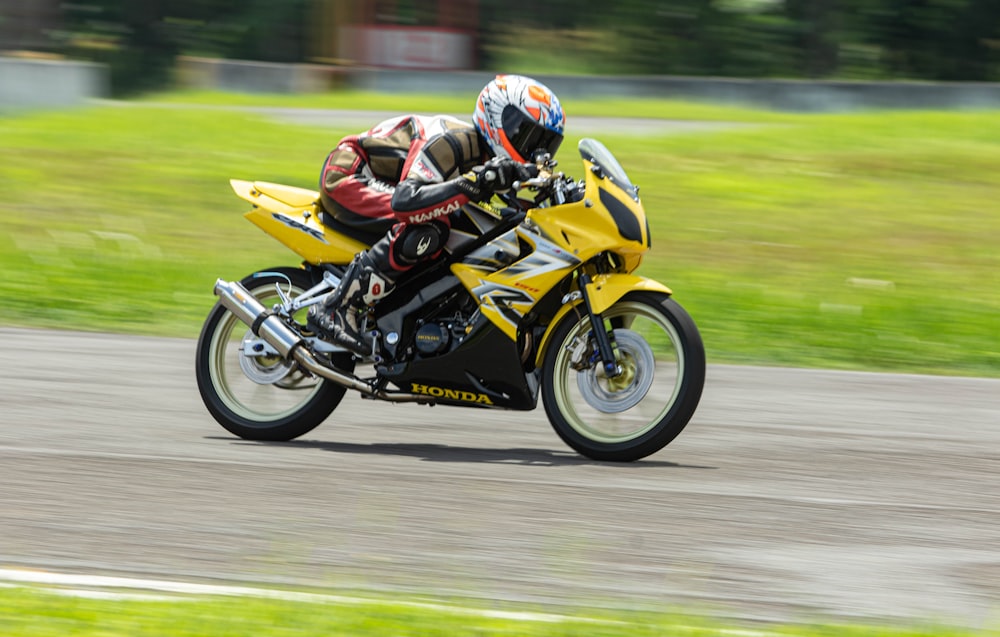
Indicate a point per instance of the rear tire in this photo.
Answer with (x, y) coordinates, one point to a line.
(634, 415)
(282, 410)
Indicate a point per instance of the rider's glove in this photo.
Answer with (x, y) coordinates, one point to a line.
(496, 175)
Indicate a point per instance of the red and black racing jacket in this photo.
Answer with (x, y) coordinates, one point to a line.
(401, 168)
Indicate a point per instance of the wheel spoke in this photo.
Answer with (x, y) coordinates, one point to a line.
(616, 410)
(247, 387)
(245, 397)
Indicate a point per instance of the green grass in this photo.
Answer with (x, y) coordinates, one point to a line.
(32, 613)
(362, 100)
(862, 241)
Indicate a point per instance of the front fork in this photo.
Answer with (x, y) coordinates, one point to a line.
(604, 345)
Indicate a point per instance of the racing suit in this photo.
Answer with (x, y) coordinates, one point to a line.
(417, 170)
(361, 184)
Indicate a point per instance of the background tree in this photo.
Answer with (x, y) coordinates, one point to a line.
(911, 39)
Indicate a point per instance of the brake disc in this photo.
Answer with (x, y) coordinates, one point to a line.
(612, 395)
(264, 367)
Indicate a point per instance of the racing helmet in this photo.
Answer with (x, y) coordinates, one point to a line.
(518, 116)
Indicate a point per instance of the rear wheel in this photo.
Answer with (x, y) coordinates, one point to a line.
(640, 411)
(261, 397)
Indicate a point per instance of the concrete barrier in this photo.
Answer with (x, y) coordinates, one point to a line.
(783, 95)
(242, 76)
(32, 83)
(27, 83)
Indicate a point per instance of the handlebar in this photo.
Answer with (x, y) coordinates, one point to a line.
(553, 186)
(541, 181)
(543, 166)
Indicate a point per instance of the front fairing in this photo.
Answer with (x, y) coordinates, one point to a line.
(608, 218)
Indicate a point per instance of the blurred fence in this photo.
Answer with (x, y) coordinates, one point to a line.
(40, 83)
(26, 83)
(783, 95)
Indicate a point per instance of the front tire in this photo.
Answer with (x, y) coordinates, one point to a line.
(641, 411)
(294, 404)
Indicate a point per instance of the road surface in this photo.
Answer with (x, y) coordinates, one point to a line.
(793, 495)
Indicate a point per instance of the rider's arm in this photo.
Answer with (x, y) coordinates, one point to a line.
(434, 186)
(418, 202)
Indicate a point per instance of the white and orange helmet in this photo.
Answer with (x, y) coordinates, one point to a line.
(518, 116)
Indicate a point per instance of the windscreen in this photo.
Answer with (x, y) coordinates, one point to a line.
(597, 153)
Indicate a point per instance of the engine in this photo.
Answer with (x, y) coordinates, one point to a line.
(438, 336)
(445, 330)
(432, 338)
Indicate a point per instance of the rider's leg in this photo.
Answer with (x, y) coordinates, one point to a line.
(341, 315)
(371, 276)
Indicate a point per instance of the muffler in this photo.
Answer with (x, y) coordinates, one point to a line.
(262, 321)
(268, 326)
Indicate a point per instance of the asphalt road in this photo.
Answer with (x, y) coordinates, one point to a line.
(792, 495)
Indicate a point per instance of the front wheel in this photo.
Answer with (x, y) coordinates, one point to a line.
(259, 396)
(638, 412)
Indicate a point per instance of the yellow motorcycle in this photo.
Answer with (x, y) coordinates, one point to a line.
(536, 295)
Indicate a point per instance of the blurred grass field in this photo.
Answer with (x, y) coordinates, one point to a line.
(854, 241)
(33, 613)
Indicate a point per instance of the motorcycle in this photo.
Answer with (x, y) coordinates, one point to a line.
(536, 294)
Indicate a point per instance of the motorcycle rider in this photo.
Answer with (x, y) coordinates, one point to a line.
(420, 170)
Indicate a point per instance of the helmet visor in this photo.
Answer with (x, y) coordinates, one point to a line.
(528, 136)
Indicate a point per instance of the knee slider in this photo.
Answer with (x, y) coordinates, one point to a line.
(420, 242)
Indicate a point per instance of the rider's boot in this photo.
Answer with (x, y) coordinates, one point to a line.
(340, 317)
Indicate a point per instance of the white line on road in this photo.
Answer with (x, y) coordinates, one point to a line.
(47, 579)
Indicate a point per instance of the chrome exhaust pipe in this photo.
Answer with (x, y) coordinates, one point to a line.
(265, 324)
(262, 322)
